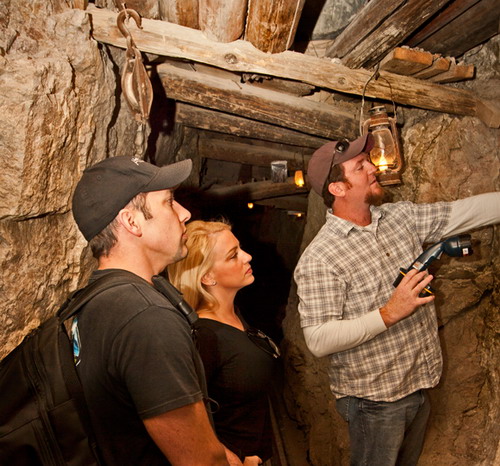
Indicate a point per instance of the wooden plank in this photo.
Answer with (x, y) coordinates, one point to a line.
(489, 112)
(80, 4)
(262, 156)
(271, 25)
(439, 65)
(266, 82)
(392, 32)
(282, 85)
(292, 202)
(171, 40)
(300, 114)
(454, 73)
(367, 20)
(255, 191)
(406, 61)
(202, 118)
(222, 21)
(182, 12)
(452, 11)
(479, 23)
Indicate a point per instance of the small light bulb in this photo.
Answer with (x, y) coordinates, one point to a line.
(250, 205)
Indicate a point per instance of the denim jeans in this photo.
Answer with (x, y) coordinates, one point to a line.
(386, 433)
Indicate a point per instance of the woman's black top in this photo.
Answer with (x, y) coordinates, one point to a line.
(239, 374)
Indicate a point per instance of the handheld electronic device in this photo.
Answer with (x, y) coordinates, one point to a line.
(455, 246)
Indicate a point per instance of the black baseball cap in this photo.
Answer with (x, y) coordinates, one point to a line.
(108, 186)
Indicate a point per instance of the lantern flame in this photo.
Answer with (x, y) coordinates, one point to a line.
(383, 164)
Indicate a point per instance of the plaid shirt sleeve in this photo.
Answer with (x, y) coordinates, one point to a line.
(321, 293)
(429, 220)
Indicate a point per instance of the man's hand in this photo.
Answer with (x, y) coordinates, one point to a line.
(405, 299)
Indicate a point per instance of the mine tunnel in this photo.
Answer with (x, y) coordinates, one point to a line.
(249, 91)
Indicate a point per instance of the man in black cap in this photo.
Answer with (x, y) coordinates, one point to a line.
(382, 342)
(134, 352)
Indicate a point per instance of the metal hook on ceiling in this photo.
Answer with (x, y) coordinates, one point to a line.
(124, 15)
(136, 85)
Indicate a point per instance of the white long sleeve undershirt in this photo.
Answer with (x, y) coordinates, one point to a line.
(339, 335)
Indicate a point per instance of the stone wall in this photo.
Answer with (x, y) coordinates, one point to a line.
(60, 112)
(447, 158)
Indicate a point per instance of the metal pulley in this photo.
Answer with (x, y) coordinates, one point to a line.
(136, 85)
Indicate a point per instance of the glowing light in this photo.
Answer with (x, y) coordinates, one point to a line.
(299, 179)
(383, 164)
(250, 205)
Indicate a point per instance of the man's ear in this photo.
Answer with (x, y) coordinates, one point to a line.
(337, 189)
(128, 219)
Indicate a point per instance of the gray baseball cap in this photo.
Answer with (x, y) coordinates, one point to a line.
(334, 153)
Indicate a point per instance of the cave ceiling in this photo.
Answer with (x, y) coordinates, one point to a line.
(262, 81)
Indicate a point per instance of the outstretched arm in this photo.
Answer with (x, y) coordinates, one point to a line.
(473, 212)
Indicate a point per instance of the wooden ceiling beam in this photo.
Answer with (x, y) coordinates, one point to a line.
(212, 120)
(292, 202)
(477, 21)
(242, 99)
(452, 11)
(250, 154)
(254, 191)
(386, 33)
(364, 23)
(166, 39)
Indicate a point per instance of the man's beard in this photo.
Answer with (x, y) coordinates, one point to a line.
(375, 198)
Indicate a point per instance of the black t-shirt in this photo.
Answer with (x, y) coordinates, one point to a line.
(136, 362)
(238, 376)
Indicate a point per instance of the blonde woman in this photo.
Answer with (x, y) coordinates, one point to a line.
(239, 361)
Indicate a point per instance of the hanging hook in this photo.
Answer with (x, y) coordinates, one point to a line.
(136, 85)
(125, 14)
(375, 75)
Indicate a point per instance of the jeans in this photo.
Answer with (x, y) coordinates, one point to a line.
(386, 433)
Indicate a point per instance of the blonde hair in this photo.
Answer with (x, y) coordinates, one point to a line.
(186, 274)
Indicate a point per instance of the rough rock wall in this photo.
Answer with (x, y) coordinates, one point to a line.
(60, 113)
(447, 158)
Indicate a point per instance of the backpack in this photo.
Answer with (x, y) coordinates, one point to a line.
(44, 419)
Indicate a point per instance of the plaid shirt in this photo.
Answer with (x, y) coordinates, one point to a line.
(349, 270)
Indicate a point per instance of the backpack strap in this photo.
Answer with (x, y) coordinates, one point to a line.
(175, 297)
(69, 309)
(79, 298)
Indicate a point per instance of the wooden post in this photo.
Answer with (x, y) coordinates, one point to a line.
(271, 25)
(80, 4)
(222, 20)
(182, 12)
